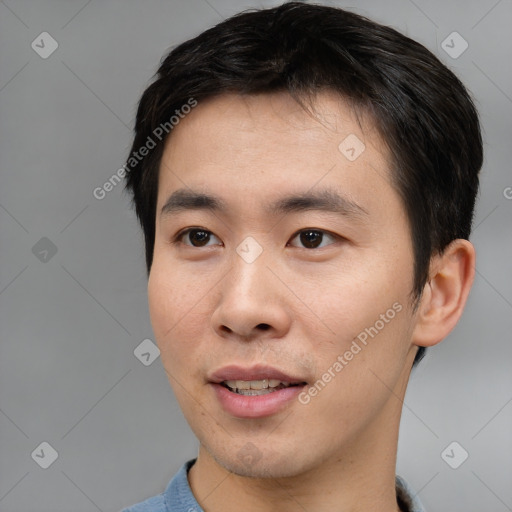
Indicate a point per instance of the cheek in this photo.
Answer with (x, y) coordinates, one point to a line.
(355, 380)
(177, 312)
(369, 312)
(349, 299)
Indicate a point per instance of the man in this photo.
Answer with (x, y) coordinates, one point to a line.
(305, 179)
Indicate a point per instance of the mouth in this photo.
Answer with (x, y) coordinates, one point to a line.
(257, 387)
(255, 392)
(255, 378)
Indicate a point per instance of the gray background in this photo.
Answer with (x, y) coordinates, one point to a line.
(70, 321)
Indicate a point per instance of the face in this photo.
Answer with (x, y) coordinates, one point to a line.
(281, 302)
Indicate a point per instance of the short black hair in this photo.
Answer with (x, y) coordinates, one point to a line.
(422, 111)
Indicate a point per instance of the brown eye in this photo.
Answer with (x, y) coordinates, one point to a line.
(312, 238)
(196, 237)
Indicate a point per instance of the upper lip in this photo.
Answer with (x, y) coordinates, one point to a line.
(258, 372)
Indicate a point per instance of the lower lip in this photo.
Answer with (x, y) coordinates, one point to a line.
(243, 406)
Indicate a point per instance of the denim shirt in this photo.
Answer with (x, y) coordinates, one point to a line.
(178, 496)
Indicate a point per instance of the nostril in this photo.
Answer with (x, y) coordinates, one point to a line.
(263, 327)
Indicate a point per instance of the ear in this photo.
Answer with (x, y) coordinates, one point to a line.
(444, 296)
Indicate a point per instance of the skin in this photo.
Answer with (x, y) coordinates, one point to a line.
(207, 305)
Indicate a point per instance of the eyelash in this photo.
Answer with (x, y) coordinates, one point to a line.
(184, 232)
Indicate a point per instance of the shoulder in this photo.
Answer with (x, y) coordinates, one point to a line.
(177, 497)
(154, 504)
(407, 499)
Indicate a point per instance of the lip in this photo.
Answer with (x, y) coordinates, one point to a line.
(244, 406)
(258, 372)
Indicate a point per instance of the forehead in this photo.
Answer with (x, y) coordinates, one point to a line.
(276, 118)
(260, 145)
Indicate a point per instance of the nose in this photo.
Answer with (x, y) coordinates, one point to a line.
(253, 302)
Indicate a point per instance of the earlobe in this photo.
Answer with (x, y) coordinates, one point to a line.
(445, 294)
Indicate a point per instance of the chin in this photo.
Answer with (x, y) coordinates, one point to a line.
(251, 462)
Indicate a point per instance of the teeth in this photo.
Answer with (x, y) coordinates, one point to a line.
(254, 392)
(255, 384)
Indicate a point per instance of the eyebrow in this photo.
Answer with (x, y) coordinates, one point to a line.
(322, 200)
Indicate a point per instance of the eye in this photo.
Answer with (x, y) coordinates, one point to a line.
(197, 237)
(313, 238)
